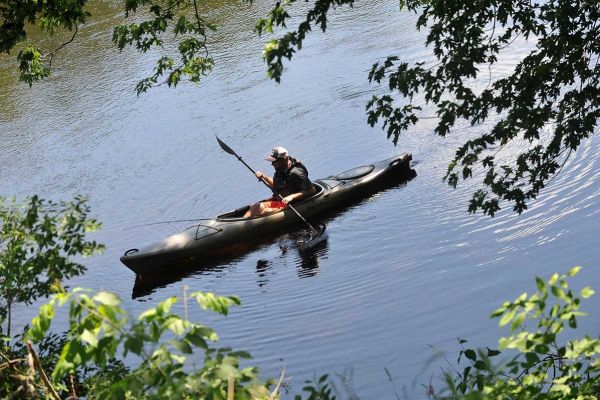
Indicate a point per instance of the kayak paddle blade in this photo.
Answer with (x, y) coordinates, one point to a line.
(225, 147)
(317, 238)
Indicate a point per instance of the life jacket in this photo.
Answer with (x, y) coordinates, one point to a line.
(296, 164)
(280, 182)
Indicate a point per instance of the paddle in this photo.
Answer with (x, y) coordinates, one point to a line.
(319, 233)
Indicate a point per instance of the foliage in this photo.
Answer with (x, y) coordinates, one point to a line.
(49, 16)
(318, 389)
(181, 18)
(37, 241)
(189, 28)
(544, 366)
(549, 104)
(277, 49)
(17, 380)
(159, 340)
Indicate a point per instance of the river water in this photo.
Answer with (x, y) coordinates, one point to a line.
(403, 274)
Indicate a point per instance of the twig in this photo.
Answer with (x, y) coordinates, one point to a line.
(36, 365)
(511, 42)
(28, 379)
(392, 382)
(561, 167)
(72, 385)
(201, 29)
(4, 356)
(278, 386)
(230, 388)
(489, 46)
(10, 363)
(185, 314)
(51, 54)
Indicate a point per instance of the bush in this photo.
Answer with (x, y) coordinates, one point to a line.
(544, 366)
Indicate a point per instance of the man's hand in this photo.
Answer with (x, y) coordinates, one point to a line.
(288, 199)
(259, 175)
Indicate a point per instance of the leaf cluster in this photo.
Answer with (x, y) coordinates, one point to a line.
(49, 16)
(19, 381)
(550, 103)
(544, 367)
(37, 243)
(276, 50)
(182, 18)
(318, 389)
(162, 341)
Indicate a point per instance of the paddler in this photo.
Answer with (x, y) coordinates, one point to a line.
(289, 183)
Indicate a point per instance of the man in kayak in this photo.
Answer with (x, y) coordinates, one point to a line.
(289, 183)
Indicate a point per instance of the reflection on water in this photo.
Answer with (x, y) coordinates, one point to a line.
(290, 247)
(305, 259)
(262, 272)
(308, 264)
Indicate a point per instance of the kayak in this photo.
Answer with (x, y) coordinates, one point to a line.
(226, 231)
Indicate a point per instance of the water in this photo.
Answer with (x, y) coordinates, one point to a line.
(402, 271)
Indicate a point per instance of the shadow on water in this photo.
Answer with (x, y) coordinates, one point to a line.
(307, 261)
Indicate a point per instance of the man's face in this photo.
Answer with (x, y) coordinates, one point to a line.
(279, 163)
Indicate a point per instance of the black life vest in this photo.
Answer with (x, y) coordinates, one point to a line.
(281, 183)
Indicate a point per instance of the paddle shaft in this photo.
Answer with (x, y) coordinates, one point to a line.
(312, 228)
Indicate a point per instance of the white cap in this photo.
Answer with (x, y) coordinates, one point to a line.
(277, 153)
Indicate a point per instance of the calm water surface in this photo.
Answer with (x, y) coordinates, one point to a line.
(402, 271)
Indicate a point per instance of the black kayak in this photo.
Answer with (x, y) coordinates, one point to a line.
(225, 231)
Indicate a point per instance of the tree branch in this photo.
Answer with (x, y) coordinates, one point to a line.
(38, 367)
(51, 54)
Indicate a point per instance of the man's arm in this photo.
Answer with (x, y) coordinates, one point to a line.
(268, 180)
(300, 178)
(299, 195)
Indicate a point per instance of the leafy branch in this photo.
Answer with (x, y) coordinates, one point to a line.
(189, 30)
(544, 367)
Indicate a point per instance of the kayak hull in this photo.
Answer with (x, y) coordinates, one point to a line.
(225, 232)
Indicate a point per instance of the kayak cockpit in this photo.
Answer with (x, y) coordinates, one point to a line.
(238, 213)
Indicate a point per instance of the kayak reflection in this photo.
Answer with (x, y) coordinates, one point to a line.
(306, 259)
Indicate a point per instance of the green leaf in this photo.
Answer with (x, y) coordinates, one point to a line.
(89, 338)
(108, 298)
(470, 354)
(215, 303)
(182, 345)
(541, 285)
(135, 344)
(176, 325)
(492, 353)
(532, 358)
(587, 292)
(507, 317)
(518, 321)
(480, 365)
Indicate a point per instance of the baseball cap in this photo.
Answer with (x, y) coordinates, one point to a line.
(277, 153)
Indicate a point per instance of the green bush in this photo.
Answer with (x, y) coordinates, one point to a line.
(37, 241)
(542, 365)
